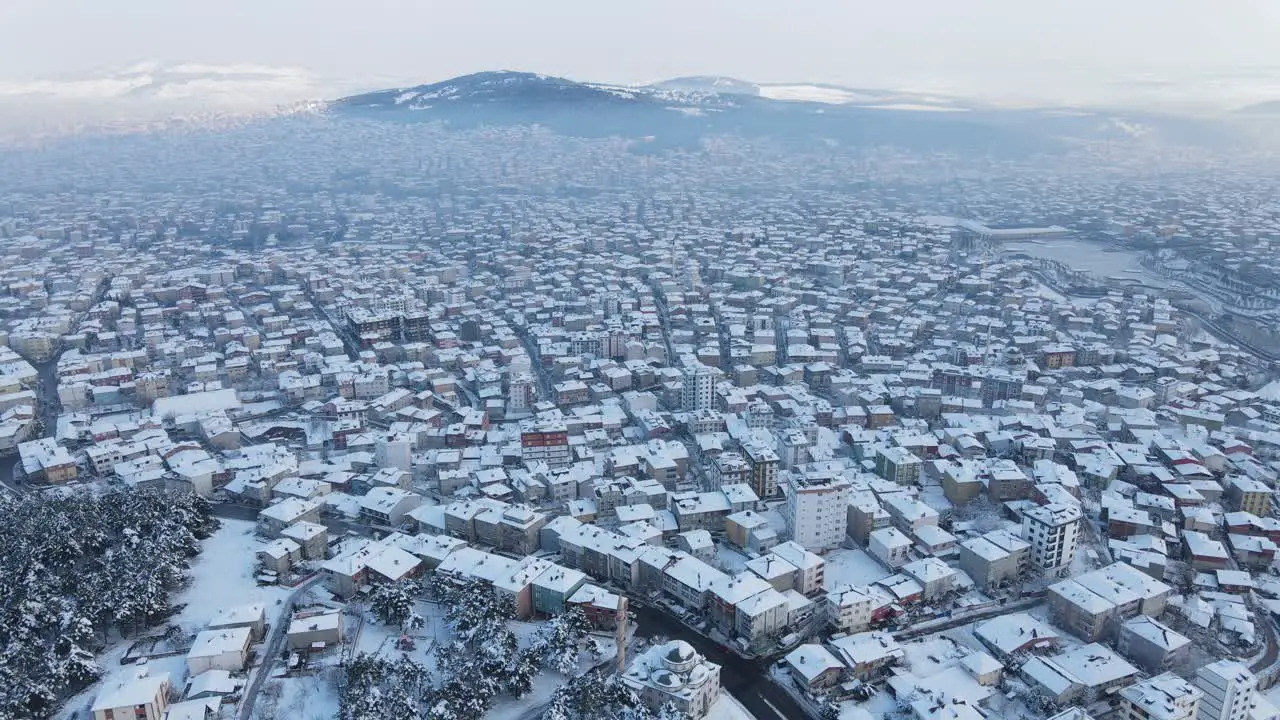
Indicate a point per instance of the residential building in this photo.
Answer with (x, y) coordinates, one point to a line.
(1229, 691)
(817, 509)
(1052, 531)
(1163, 697)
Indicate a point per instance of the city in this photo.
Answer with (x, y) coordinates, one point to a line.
(425, 421)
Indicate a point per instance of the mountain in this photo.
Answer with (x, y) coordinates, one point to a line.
(504, 88)
(709, 84)
(682, 111)
(1271, 107)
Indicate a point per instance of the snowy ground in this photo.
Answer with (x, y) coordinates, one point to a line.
(222, 577)
(852, 566)
(776, 520)
(309, 697)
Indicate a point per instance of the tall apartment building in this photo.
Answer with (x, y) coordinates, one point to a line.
(546, 440)
(1230, 691)
(899, 465)
(817, 512)
(1052, 531)
(521, 393)
(763, 462)
(1249, 495)
(698, 389)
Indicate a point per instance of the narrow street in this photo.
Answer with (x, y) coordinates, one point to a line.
(271, 650)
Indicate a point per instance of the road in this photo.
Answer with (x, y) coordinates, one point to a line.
(931, 628)
(746, 680)
(1273, 650)
(272, 649)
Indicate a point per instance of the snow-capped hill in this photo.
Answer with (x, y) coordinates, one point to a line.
(487, 88)
(717, 84)
(682, 111)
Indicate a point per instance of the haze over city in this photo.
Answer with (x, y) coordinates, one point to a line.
(1186, 55)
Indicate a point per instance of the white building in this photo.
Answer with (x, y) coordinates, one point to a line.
(698, 389)
(395, 451)
(520, 393)
(139, 697)
(674, 672)
(1229, 689)
(810, 576)
(1163, 697)
(762, 616)
(850, 608)
(224, 649)
(817, 510)
(1052, 531)
(890, 546)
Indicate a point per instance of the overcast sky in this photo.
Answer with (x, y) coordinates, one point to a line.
(1060, 50)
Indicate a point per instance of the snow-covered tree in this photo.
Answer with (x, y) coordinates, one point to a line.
(74, 568)
(393, 604)
(669, 711)
(596, 695)
(375, 688)
(563, 640)
(484, 659)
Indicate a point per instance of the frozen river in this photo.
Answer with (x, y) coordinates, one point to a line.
(1087, 257)
(1079, 255)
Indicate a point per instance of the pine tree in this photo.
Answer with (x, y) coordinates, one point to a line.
(393, 604)
(73, 568)
(562, 641)
(596, 695)
(375, 688)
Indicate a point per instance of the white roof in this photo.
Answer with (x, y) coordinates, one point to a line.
(866, 647)
(213, 643)
(1007, 633)
(1095, 665)
(770, 566)
(928, 570)
(811, 660)
(241, 614)
(314, 623)
(130, 691)
(195, 403)
(1155, 632)
(216, 682)
(762, 602)
(981, 663)
(890, 537)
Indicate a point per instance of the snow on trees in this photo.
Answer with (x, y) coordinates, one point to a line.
(563, 639)
(74, 568)
(375, 688)
(598, 695)
(393, 604)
